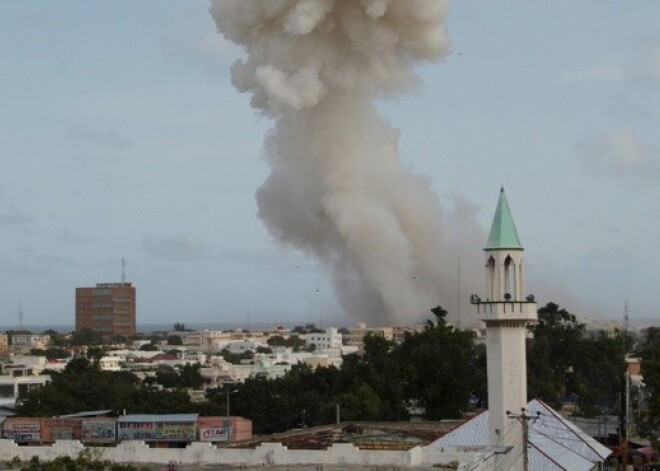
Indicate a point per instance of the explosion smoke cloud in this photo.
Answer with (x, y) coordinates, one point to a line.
(337, 189)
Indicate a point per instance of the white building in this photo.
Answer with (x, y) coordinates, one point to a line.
(110, 363)
(13, 388)
(242, 346)
(23, 343)
(330, 339)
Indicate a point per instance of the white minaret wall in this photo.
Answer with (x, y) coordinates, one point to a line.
(504, 274)
(507, 383)
(506, 312)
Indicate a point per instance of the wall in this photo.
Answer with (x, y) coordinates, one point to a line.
(265, 454)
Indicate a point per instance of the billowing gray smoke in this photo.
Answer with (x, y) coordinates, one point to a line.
(337, 189)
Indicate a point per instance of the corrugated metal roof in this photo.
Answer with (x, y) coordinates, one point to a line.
(91, 413)
(158, 418)
(547, 455)
(555, 443)
(474, 432)
(554, 426)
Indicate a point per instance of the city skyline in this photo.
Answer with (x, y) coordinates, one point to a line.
(124, 138)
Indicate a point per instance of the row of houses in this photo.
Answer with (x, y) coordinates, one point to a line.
(21, 372)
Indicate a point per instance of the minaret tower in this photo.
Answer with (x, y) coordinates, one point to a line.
(506, 312)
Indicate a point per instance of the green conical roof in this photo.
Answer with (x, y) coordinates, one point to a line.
(503, 232)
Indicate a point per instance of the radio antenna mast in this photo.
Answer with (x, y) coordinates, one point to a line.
(123, 270)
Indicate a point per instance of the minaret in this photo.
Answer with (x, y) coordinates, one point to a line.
(506, 312)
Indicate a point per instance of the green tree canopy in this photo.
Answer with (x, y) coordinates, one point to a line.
(563, 362)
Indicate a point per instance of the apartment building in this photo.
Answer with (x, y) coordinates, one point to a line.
(355, 336)
(4, 345)
(23, 343)
(329, 339)
(107, 308)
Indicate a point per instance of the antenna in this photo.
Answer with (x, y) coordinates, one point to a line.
(20, 316)
(123, 270)
(458, 295)
(626, 316)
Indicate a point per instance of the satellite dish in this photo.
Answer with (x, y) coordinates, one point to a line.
(530, 298)
(507, 296)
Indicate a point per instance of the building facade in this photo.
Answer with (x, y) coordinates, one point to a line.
(329, 339)
(355, 336)
(107, 308)
(23, 343)
(4, 345)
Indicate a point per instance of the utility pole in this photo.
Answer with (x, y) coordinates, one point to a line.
(623, 422)
(458, 295)
(524, 418)
(20, 316)
(227, 393)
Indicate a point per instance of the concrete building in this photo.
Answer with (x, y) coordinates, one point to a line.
(23, 343)
(355, 336)
(4, 345)
(107, 308)
(506, 312)
(329, 339)
(13, 388)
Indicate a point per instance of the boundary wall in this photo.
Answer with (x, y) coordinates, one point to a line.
(266, 454)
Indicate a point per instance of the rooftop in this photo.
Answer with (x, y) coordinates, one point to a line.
(503, 232)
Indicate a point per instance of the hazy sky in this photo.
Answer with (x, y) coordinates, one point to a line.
(122, 136)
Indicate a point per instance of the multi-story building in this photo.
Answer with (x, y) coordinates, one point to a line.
(23, 343)
(330, 339)
(13, 388)
(4, 345)
(355, 336)
(107, 308)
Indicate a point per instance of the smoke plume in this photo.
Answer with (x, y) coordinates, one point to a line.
(337, 190)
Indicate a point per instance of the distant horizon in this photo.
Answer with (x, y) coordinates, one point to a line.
(148, 327)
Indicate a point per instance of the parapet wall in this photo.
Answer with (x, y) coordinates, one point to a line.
(273, 454)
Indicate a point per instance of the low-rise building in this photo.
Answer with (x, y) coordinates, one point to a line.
(4, 345)
(23, 343)
(109, 363)
(242, 346)
(329, 339)
(355, 336)
(13, 388)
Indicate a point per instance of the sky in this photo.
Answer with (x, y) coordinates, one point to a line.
(121, 136)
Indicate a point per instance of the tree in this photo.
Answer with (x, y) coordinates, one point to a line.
(86, 337)
(174, 340)
(55, 338)
(563, 362)
(294, 342)
(649, 351)
(439, 368)
(167, 377)
(51, 353)
(84, 386)
(191, 377)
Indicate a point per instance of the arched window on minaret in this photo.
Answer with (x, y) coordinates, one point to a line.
(509, 279)
(490, 279)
